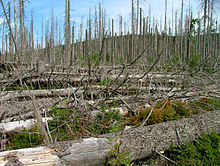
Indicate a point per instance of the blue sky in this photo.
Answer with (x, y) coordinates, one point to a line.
(79, 8)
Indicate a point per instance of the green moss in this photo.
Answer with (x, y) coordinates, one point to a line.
(24, 139)
(204, 151)
(206, 104)
(109, 121)
(172, 110)
(182, 109)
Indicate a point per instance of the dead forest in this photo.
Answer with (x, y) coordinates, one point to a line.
(106, 91)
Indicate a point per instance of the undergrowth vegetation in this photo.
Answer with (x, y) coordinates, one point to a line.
(167, 110)
(203, 151)
(70, 123)
(21, 139)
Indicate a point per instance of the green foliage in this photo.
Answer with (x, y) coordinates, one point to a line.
(62, 126)
(106, 82)
(182, 109)
(150, 59)
(175, 60)
(24, 139)
(69, 124)
(114, 157)
(204, 151)
(193, 63)
(192, 30)
(95, 59)
(120, 60)
(206, 65)
(206, 104)
(110, 121)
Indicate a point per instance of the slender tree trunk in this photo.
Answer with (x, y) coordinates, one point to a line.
(15, 29)
(3, 39)
(10, 33)
(204, 28)
(73, 58)
(6, 48)
(113, 44)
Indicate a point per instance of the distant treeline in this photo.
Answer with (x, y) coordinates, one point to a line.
(179, 40)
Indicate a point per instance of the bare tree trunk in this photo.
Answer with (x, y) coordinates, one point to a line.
(80, 37)
(52, 44)
(181, 34)
(113, 44)
(32, 39)
(3, 40)
(73, 58)
(204, 28)
(165, 37)
(16, 29)
(137, 19)
(42, 35)
(47, 44)
(10, 32)
(165, 17)
(67, 34)
(100, 27)
(6, 48)
(140, 22)
(21, 29)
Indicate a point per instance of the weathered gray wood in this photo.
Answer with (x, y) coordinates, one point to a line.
(19, 125)
(4, 96)
(89, 152)
(141, 142)
(40, 156)
(9, 95)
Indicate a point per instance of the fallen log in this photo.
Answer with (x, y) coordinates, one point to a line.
(139, 142)
(8, 95)
(19, 125)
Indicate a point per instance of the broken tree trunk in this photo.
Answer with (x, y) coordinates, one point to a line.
(9, 95)
(139, 142)
(4, 96)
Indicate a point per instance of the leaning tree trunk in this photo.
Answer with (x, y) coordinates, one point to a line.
(139, 142)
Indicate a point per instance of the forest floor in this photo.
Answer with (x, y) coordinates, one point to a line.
(73, 104)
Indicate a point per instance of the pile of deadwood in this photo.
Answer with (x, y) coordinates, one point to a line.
(28, 94)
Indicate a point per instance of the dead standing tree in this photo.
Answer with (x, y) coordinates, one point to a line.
(11, 33)
(67, 34)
